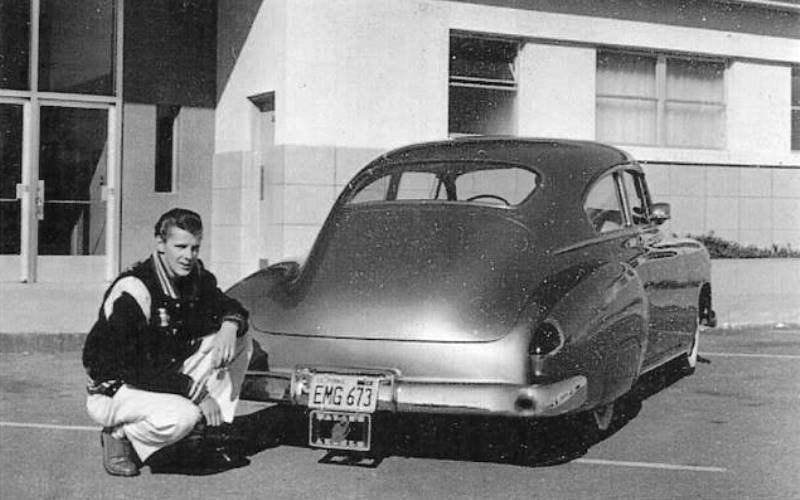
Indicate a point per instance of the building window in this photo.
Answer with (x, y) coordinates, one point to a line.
(482, 85)
(796, 108)
(660, 100)
(166, 148)
(76, 46)
(15, 29)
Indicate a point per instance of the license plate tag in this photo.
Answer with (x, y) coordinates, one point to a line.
(349, 393)
(340, 430)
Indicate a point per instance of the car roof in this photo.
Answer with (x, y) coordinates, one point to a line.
(579, 161)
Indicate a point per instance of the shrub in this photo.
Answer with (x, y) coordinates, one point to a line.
(720, 248)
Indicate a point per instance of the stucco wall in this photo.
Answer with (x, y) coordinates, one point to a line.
(758, 107)
(743, 17)
(617, 32)
(751, 205)
(545, 109)
(169, 52)
(258, 68)
(300, 185)
(342, 96)
(358, 77)
(364, 73)
(141, 205)
(756, 291)
(304, 182)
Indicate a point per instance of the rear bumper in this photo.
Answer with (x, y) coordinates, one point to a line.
(419, 396)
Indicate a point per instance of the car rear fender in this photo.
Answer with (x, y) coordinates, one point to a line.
(259, 284)
(603, 318)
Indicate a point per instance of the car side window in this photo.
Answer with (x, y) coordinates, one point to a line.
(636, 195)
(496, 186)
(375, 191)
(602, 206)
(420, 186)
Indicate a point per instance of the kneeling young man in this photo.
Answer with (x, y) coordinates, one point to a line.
(168, 351)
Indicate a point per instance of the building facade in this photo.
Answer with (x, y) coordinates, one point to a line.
(257, 112)
(106, 120)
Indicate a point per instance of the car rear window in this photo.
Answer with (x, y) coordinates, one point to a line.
(483, 183)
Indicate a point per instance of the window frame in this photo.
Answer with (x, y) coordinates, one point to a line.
(661, 100)
(27, 264)
(639, 183)
(641, 193)
(507, 86)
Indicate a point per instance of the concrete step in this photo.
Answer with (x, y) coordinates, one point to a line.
(51, 308)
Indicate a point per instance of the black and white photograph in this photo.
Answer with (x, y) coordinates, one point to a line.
(400, 249)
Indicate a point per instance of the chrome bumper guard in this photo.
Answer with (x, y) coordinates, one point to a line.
(419, 396)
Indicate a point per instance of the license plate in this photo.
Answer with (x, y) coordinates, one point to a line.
(350, 393)
(340, 430)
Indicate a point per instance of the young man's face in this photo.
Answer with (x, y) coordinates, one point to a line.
(180, 250)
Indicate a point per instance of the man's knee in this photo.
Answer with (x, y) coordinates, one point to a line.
(100, 409)
(174, 421)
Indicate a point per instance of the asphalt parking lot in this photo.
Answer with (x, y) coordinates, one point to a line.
(731, 430)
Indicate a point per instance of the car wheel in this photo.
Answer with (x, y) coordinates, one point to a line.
(688, 362)
(592, 426)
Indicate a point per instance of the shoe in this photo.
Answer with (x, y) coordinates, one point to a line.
(187, 458)
(119, 457)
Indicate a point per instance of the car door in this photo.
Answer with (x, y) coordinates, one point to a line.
(617, 240)
(661, 267)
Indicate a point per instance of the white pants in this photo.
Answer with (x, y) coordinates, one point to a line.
(152, 420)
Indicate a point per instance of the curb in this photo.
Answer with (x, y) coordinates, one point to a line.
(41, 342)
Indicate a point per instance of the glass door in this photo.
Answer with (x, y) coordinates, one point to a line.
(60, 100)
(11, 120)
(71, 206)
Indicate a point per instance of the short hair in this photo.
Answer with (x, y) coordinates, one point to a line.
(180, 218)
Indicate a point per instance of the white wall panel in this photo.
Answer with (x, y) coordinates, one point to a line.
(364, 73)
(556, 95)
(606, 31)
(259, 68)
(758, 104)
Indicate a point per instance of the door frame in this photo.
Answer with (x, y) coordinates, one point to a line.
(29, 258)
(84, 264)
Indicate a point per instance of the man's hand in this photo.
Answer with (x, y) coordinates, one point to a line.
(198, 391)
(210, 409)
(225, 343)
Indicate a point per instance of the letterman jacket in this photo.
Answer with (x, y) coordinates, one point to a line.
(146, 328)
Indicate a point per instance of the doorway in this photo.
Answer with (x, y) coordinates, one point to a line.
(55, 221)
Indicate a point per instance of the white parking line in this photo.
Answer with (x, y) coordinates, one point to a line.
(649, 465)
(591, 461)
(51, 426)
(748, 355)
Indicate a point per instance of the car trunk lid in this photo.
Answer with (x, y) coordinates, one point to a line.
(438, 272)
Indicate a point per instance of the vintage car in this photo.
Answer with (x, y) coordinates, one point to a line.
(485, 275)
